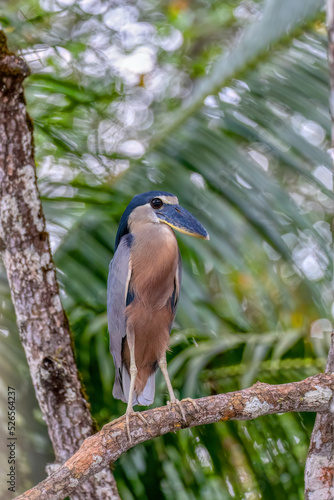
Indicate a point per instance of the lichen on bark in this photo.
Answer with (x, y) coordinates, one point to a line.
(312, 394)
(319, 469)
(24, 244)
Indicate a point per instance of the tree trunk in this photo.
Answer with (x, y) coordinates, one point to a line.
(43, 325)
(319, 469)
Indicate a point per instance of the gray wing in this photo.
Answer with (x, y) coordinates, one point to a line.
(177, 285)
(118, 283)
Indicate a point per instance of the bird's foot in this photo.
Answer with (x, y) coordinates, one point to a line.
(179, 404)
(192, 401)
(128, 414)
(118, 419)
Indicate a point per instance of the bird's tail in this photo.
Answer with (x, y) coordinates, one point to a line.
(122, 388)
(146, 398)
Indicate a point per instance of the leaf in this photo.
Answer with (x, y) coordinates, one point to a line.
(278, 20)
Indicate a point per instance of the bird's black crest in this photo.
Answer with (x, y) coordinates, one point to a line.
(137, 201)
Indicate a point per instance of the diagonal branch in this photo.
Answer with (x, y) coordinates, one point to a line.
(24, 243)
(98, 451)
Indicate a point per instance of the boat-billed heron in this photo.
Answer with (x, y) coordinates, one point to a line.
(143, 293)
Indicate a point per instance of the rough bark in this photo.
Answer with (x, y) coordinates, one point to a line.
(312, 394)
(319, 469)
(24, 243)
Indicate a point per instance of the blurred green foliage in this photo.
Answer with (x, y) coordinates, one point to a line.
(116, 95)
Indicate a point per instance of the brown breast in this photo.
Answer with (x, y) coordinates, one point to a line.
(154, 259)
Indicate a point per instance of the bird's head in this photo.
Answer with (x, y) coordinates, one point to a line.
(159, 207)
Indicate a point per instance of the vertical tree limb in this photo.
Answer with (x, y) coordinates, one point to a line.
(24, 243)
(319, 469)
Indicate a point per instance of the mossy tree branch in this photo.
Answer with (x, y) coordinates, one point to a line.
(98, 451)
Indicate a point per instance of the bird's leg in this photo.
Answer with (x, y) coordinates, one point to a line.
(133, 376)
(173, 400)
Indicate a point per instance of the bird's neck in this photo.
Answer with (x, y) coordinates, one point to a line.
(149, 234)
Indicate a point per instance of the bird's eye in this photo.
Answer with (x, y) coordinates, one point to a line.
(156, 203)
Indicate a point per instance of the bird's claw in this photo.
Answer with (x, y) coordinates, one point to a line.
(128, 414)
(117, 420)
(179, 404)
(193, 402)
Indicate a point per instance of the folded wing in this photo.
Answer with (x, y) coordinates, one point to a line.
(118, 284)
